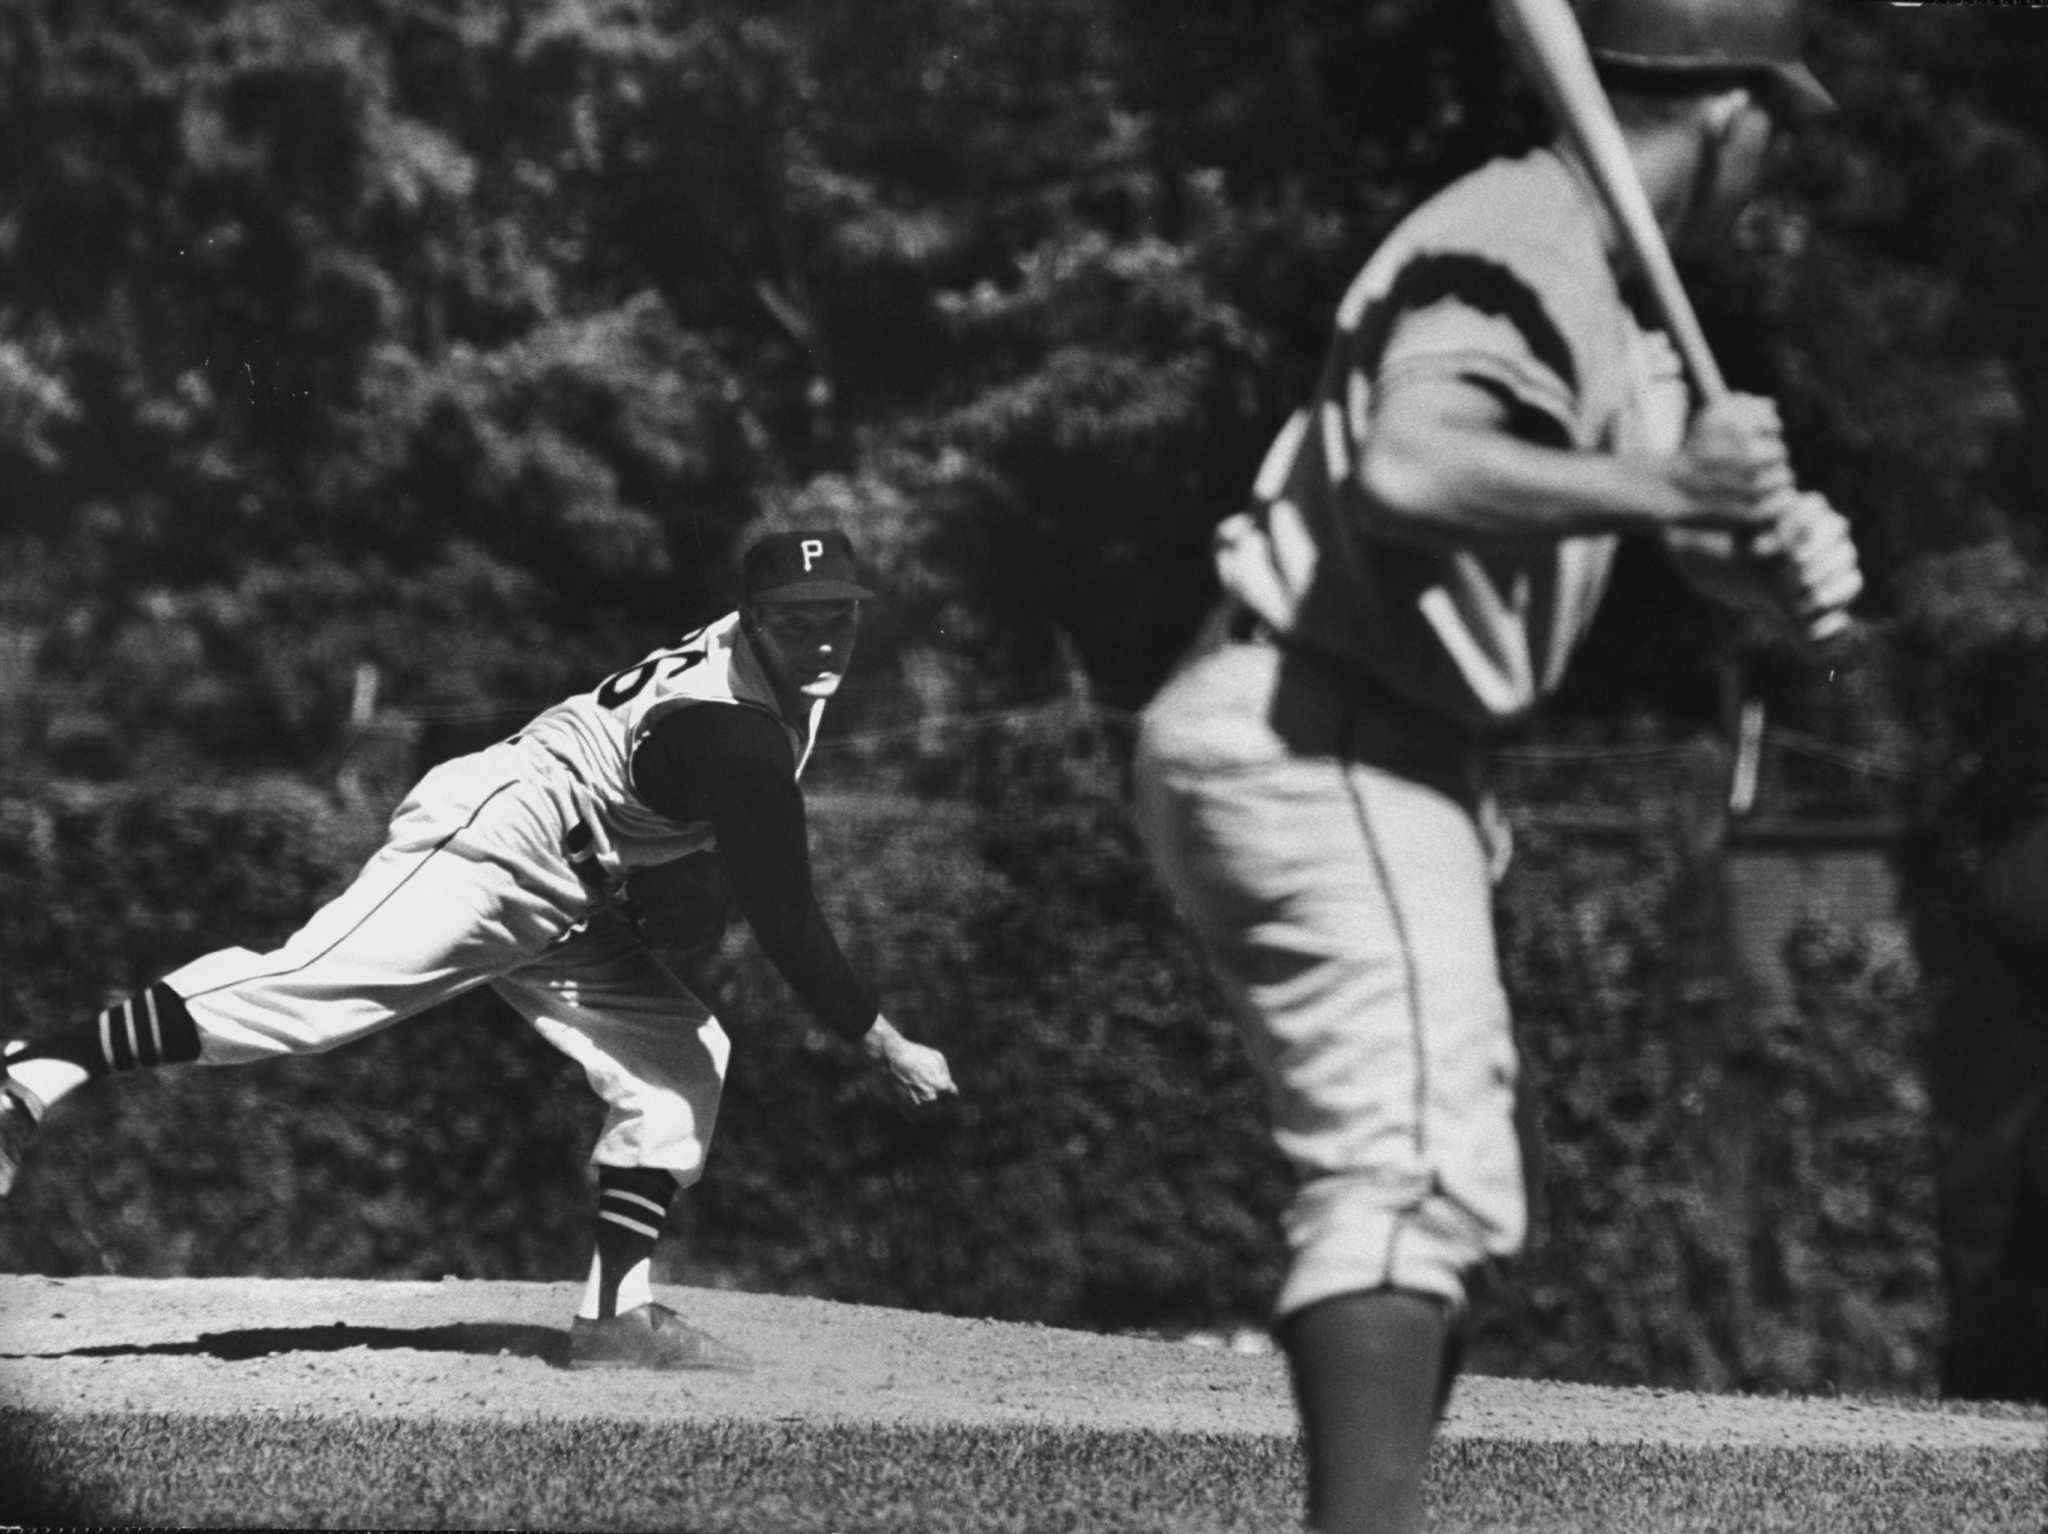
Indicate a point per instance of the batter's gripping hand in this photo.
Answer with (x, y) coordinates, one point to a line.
(1811, 562)
(918, 1076)
(1732, 471)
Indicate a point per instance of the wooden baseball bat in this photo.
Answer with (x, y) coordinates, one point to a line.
(1546, 37)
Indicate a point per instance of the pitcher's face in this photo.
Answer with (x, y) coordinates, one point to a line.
(805, 646)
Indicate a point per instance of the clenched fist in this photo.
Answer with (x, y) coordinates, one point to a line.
(1810, 561)
(1732, 471)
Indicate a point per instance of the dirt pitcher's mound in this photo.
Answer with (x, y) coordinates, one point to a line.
(455, 1350)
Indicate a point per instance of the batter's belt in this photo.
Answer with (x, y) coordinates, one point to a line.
(1368, 695)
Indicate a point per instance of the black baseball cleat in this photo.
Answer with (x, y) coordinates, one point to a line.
(650, 1336)
(20, 1113)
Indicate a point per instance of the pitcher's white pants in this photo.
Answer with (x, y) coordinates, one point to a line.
(474, 886)
(1335, 858)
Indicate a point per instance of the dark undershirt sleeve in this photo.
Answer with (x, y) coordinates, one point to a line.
(730, 765)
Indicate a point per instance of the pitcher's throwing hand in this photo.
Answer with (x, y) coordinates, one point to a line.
(918, 1077)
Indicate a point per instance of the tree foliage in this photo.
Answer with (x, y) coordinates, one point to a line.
(332, 326)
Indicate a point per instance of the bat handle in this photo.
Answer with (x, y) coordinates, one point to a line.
(1694, 351)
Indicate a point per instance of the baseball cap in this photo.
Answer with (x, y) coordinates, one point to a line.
(802, 567)
(1758, 38)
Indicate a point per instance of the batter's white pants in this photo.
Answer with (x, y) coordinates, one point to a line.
(1335, 858)
(474, 886)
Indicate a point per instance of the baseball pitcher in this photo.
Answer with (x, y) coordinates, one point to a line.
(1428, 541)
(501, 868)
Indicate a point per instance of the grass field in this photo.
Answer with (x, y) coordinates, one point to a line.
(130, 1403)
(157, 1471)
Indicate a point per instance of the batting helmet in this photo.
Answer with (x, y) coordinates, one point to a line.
(1758, 39)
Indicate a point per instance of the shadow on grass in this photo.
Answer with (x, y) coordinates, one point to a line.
(479, 1338)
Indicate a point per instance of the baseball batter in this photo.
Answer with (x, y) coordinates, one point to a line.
(501, 868)
(1428, 540)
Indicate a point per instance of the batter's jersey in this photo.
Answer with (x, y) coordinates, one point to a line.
(1501, 279)
(596, 734)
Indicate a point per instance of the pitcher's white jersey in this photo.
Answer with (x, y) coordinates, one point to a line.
(596, 733)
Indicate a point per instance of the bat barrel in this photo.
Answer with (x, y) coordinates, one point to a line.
(1546, 38)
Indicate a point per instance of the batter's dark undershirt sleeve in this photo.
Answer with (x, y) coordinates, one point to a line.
(730, 765)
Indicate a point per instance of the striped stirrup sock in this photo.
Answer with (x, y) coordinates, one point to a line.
(151, 1027)
(632, 1204)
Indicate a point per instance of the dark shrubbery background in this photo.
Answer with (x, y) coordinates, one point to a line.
(1108, 1166)
(374, 371)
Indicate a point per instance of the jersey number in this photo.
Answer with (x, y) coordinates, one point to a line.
(625, 686)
